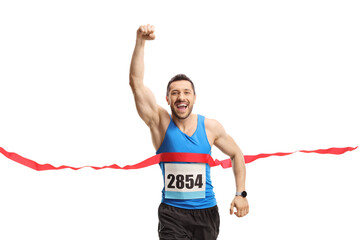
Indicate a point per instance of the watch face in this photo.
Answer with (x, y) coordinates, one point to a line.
(244, 194)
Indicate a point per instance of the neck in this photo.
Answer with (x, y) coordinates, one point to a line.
(184, 124)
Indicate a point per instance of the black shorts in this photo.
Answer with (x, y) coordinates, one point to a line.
(178, 223)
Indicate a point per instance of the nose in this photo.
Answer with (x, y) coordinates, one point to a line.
(181, 96)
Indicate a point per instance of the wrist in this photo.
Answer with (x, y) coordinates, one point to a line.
(140, 42)
(242, 194)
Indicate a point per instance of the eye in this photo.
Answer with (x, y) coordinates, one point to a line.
(187, 93)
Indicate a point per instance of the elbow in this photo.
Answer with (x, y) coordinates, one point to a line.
(238, 155)
(132, 84)
(131, 80)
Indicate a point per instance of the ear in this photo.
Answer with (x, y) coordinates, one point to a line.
(167, 99)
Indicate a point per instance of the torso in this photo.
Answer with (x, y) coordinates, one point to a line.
(188, 136)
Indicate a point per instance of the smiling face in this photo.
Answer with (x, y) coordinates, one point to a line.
(181, 98)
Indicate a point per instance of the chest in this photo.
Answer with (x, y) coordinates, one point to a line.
(192, 139)
(189, 131)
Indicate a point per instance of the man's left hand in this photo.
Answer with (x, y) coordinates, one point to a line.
(242, 206)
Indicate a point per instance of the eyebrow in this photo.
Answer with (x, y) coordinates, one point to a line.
(186, 89)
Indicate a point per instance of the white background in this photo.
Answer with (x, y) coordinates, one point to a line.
(279, 75)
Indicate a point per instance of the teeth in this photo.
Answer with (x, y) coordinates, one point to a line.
(182, 105)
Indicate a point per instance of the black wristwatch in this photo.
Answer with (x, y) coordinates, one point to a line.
(242, 194)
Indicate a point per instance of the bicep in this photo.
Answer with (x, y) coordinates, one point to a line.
(225, 142)
(146, 105)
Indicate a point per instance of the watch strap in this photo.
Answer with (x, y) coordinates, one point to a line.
(242, 194)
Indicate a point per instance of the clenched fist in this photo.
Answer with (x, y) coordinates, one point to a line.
(146, 32)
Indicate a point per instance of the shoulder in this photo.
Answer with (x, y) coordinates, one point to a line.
(164, 118)
(214, 128)
(158, 128)
(160, 121)
(212, 124)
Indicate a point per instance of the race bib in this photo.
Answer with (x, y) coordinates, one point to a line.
(185, 181)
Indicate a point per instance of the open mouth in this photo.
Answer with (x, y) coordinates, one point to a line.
(181, 107)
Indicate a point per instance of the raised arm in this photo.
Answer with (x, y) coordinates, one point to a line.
(145, 100)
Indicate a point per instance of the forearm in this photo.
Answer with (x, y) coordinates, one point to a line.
(137, 64)
(239, 170)
(239, 202)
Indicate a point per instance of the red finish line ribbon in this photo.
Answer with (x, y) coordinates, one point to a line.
(169, 157)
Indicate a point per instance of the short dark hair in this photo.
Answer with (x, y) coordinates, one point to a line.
(179, 77)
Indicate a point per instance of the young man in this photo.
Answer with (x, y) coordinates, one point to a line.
(188, 209)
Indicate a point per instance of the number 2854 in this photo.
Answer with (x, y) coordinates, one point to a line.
(188, 181)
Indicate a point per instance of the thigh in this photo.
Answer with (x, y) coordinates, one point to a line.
(208, 227)
(170, 224)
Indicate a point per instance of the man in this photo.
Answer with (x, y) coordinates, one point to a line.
(188, 209)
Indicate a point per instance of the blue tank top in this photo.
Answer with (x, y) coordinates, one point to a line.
(187, 185)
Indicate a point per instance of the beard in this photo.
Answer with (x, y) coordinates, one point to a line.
(173, 111)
